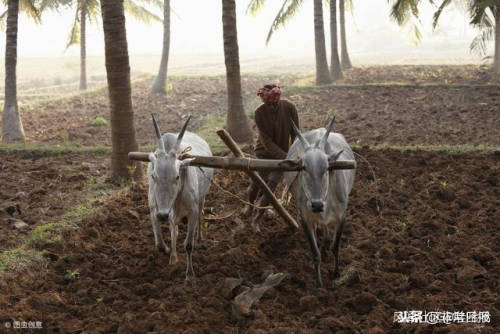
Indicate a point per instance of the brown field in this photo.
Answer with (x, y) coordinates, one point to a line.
(430, 133)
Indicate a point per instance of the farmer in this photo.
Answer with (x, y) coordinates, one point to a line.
(275, 137)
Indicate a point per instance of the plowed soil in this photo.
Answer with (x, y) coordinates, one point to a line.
(433, 246)
(36, 188)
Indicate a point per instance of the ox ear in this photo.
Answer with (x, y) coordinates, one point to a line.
(185, 163)
(332, 158)
(152, 157)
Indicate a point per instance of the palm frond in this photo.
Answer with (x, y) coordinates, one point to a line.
(349, 6)
(56, 5)
(479, 44)
(438, 12)
(93, 10)
(3, 18)
(74, 35)
(28, 7)
(140, 13)
(255, 6)
(286, 12)
(403, 10)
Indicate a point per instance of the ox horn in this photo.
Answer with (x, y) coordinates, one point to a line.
(181, 134)
(161, 144)
(299, 135)
(321, 143)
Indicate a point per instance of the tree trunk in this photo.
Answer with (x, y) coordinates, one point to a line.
(83, 45)
(237, 122)
(345, 61)
(335, 70)
(496, 61)
(12, 127)
(322, 73)
(161, 79)
(118, 75)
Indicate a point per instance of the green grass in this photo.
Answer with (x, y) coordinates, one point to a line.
(207, 132)
(18, 258)
(98, 121)
(449, 149)
(72, 275)
(48, 234)
(53, 150)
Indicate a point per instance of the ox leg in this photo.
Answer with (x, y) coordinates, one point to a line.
(311, 238)
(188, 245)
(336, 245)
(174, 231)
(327, 241)
(160, 244)
(200, 222)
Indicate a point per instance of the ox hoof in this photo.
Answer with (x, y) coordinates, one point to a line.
(334, 275)
(173, 259)
(255, 227)
(162, 248)
(190, 281)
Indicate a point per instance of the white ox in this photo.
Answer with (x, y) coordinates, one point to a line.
(176, 191)
(321, 194)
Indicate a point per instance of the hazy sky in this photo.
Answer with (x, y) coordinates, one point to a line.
(197, 28)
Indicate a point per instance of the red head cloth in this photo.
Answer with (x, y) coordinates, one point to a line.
(270, 95)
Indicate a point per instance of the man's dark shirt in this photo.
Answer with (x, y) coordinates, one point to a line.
(275, 130)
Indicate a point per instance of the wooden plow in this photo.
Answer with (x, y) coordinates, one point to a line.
(250, 166)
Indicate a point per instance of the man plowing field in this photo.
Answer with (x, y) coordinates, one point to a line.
(274, 127)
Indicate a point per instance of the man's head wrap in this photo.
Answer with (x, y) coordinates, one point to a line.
(270, 94)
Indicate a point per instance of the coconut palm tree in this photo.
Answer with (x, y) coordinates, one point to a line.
(345, 60)
(288, 9)
(161, 78)
(12, 126)
(483, 14)
(120, 96)
(335, 68)
(237, 122)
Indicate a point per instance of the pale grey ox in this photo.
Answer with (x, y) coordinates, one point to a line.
(176, 191)
(321, 194)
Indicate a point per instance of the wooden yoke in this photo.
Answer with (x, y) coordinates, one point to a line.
(231, 144)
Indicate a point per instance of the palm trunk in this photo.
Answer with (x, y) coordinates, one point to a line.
(322, 72)
(118, 75)
(237, 122)
(345, 61)
(83, 45)
(12, 126)
(496, 61)
(335, 70)
(161, 79)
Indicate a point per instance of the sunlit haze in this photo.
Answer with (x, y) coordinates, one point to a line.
(196, 38)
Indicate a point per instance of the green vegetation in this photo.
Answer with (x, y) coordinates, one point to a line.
(400, 225)
(207, 131)
(72, 275)
(48, 234)
(18, 258)
(52, 150)
(98, 121)
(449, 149)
